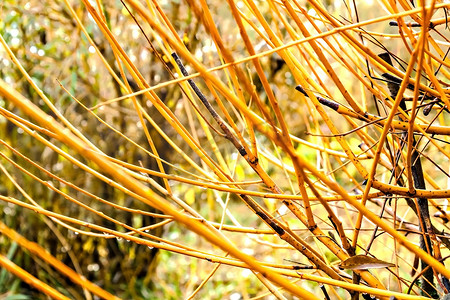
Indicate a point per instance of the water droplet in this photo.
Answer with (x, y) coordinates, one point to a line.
(147, 230)
(93, 267)
(118, 238)
(150, 247)
(76, 233)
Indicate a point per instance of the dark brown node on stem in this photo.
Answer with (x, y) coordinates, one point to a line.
(331, 104)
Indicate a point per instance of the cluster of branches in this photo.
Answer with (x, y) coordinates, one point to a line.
(313, 133)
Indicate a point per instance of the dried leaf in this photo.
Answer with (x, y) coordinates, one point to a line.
(364, 262)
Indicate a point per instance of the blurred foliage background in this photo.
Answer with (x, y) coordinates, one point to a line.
(45, 38)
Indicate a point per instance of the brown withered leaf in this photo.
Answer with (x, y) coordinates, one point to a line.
(363, 262)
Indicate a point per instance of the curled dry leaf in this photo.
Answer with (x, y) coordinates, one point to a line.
(364, 262)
